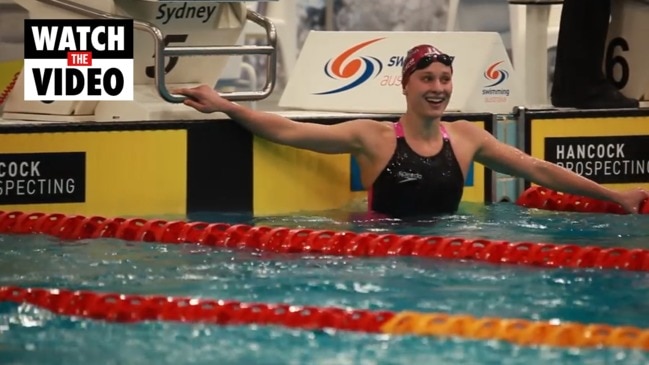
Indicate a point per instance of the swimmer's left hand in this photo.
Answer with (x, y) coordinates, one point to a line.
(631, 200)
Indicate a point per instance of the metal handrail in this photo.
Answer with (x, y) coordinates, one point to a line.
(535, 2)
(160, 50)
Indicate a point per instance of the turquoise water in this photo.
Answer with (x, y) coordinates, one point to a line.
(29, 335)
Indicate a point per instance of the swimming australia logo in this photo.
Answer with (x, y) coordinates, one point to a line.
(350, 69)
(408, 176)
(496, 75)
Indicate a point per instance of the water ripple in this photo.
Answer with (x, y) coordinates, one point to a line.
(29, 335)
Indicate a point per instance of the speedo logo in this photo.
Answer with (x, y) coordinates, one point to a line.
(408, 176)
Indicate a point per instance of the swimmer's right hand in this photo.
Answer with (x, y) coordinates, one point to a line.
(204, 99)
(633, 200)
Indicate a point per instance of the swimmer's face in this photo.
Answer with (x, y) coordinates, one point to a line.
(429, 90)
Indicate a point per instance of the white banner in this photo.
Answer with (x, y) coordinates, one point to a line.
(361, 72)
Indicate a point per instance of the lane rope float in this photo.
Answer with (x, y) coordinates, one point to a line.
(543, 198)
(325, 242)
(127, 308)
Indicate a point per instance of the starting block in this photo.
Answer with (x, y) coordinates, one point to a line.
(361, 72)
(166, 33)
(626, 62)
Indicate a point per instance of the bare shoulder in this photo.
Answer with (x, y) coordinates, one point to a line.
(373, 135)
(370, 126)
(469, 131)
(469, 136)
(370, 123)
(464, 128)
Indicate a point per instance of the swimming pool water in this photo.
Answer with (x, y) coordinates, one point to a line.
(30, 335)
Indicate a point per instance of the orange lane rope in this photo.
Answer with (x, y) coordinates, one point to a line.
(134, 308)
(327, 242)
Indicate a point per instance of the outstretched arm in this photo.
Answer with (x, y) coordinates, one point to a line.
(509, 160)
(344, 137)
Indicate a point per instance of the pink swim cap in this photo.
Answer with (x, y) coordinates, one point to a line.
(417, 54)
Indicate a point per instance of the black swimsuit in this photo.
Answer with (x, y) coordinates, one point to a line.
(414, 185)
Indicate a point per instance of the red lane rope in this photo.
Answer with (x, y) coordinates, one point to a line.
(544, 198)
(7, 90)
(125, 308)
(327, 242)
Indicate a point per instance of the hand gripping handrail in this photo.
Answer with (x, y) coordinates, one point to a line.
(161, 50)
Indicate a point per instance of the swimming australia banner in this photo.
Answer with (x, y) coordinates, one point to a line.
(361, 72)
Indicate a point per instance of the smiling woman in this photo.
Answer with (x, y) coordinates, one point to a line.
(390, 154)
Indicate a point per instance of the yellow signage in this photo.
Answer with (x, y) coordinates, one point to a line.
(289, 180)
(120, 173)
(475, 190)
(613, 151)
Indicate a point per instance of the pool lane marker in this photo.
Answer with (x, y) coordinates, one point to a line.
(324, 242)
(129, 308)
